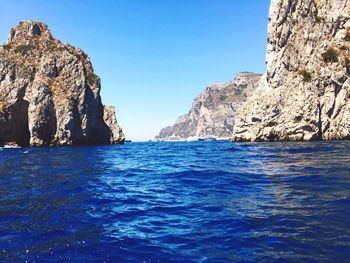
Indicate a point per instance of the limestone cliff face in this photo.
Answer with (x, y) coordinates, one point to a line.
(305, 92)
(212, 113)
(49, 94)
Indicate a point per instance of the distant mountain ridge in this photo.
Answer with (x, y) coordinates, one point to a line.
(213, 111)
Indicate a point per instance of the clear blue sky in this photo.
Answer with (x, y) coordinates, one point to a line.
(154, 56)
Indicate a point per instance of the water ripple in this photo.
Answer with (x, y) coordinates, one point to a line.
(176, 202)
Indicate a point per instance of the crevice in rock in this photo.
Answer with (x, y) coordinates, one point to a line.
(46, 132)
(336, 26)
(15, 127)
(76, 130)
(319, 123)
(337, 89)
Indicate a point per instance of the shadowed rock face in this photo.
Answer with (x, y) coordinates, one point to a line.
(49, 94)
(212, 113)
(305, 92)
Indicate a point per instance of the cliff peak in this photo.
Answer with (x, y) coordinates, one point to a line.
(28, 30)
(49, 93)
(305, 91)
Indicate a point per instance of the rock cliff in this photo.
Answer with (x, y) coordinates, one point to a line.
(49, 94)
(212, 113)
(305, 92)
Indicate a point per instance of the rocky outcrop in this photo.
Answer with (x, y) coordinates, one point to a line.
(49, 94)
(212, 113)
(305, 92)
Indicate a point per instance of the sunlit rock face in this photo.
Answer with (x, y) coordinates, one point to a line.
(49, 94)
(305, 92)
(212, 113)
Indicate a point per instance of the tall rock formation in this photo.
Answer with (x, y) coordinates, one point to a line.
(49, 94)
(305, 92)
(212, 113)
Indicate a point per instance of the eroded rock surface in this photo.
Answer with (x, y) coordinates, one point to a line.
(212, 113)
(305, 92)
(49, 94)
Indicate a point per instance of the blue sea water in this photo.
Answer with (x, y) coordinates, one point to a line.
(176, 202)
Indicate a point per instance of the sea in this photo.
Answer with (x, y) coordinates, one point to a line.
(176, 202)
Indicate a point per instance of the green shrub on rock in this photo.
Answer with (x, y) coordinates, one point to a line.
(305, 75)
(330, 56)
(320, 19)
(91, 78)
(23, 49)
(6, 47)
(223, 97)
